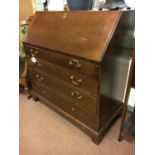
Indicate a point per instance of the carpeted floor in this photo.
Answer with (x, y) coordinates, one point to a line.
(44, 132)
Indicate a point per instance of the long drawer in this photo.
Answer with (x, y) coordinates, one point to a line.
(80, 97)
(65, 104)
(69, 62)
(77, 79)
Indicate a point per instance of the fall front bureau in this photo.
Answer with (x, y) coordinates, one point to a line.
(72, 61)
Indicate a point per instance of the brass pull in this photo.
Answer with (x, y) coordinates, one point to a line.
(40, 79)
(75, 62)
(73, 93)
(33, 52)
(77, 83)
(36, 52)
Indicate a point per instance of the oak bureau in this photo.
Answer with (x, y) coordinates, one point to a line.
(72, 61)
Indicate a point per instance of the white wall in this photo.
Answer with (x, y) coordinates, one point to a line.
(131, 3)
(54, 5)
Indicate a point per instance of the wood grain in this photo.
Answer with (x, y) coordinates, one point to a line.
(80, 33)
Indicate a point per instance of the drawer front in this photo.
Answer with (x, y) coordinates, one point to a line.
(80, 97)
(65, 61)
(76, 79)
(66, 105)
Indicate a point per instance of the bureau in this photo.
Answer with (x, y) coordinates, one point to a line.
(74, 61)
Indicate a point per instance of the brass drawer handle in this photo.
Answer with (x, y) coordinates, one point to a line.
(40, 79)
(75, 62)
(75, 93)
(77, 83)
(33, 52)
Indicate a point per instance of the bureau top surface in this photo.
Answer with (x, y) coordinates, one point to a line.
(80, 33)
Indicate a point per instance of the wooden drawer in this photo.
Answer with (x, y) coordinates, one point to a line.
(77, 79)
(69, 62)
(80, 97)
(65, 104)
